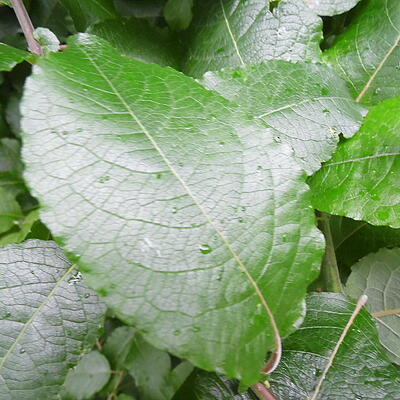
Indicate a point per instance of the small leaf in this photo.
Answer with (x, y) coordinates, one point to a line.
(88, 377)
(88, 12)
(154, 384)
(323, 361)
(48, 317)
(365, 170)
(203, 385)
(194, 168)
(229, 33)
(330, 7)
(47, 39)
(308, 105)
(367, 54)
(10, 211)
(138, 39)
(10, 57)
(25, 225)
(378, 276)
(6, 3)
(178, 13)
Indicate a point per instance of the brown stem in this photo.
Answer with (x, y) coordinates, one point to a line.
(262, 392)
(27, 26)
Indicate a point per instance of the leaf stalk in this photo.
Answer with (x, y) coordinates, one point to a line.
(27, 26)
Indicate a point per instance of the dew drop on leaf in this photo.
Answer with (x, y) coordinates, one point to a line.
(22, 351)
(205, 248)
(177, 332)
(174, 210)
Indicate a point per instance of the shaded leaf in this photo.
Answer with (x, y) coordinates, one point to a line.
(203, 385)
(10, 166)
(367, 54)
(88, 12)
(10, 211)
(378, 276)
(307, 104)
(158, 383)
(10, 57)
(178, 13)
(140, 8)
(140, 178)
(364, 170)
(229, 33)
(330, 7)
(138, 39)
(360, 368)
(88, 377)
(24, 225)
(48, 317)
(355, 239)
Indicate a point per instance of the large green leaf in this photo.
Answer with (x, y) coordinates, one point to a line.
(378, 276)
(322, 361)
(138, 39)
(87, 12)
(202, 385)
(307, 104)
(229, 33)
(331, 7)
(182, 211)
(48, 317)
(10, 57)
(361, 180)
(367, 54)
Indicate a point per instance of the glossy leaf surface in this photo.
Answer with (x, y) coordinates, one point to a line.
(378, 276)
(308, 105)
(364, 171)
(330, 7)
(182, 211)
(229, 33)
(48, 317)
(360, 369)
(367, 54)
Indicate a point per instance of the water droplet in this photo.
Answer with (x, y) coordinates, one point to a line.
(241, 220)
(219, 277)
(277, 139)
(196, 329)
(7, 315)
(87, 295)
(79, 130)
(205, 249)
(318, 372)
(174, 210)
(377, 91)
(74, 278)
(243, 208)
(159, 175)
(325, 110)
(177, 332)
(180, 163)
(104, 179)
(64, 133)
(260, 167)
(220, 50)
(22, 351)
(221, 143)
(105, 116)
(375, 196)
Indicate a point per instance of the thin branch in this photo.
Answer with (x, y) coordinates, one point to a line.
(386, 312)
(262, 392)
(330, 270)
(27, 26)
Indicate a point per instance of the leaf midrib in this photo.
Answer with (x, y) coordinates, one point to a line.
(34, 315)
(236, 257)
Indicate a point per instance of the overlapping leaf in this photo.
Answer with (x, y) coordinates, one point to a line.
(48, 317)
(361, 181)
(85, 13)
(136, 38)
(10, 57)
(360, 368)
(367, 54)
(330, 7)
(307, 104)
(229, 33)
(183, 212)
(378, 276)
